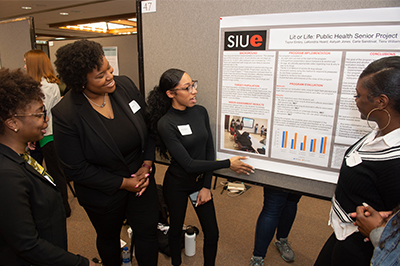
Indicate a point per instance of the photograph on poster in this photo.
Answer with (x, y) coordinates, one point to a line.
(301, 79)
(245, 134)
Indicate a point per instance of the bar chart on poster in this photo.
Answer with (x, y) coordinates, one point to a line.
(291, 79)
(297, 146)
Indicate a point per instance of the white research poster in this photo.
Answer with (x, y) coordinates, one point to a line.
(286, 86)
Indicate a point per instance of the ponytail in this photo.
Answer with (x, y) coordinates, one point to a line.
(158, 104)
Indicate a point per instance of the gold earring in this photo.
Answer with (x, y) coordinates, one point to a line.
(377, 109)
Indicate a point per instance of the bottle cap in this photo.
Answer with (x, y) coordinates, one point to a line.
(190, 231)
(125, 248)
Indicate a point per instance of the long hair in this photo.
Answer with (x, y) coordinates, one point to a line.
(383, 77)
(38, 66)
(159, 103)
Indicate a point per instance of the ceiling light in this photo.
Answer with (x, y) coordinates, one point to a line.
(26, 7)
(110, 27)
(119, 24)
(64, 14)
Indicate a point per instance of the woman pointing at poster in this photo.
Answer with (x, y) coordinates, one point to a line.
(183, 129)
(370, 169)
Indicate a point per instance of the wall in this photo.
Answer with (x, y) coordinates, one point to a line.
(127, 53)
(185, 34)
(16, 31)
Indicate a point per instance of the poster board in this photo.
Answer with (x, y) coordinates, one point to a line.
(295, 74)
(16, 31)
(190, 42)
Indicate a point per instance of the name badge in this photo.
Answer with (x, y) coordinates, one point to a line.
(134, 106)
(185, 130)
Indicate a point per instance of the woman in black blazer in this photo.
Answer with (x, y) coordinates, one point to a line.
(101, 137)
(32, 220)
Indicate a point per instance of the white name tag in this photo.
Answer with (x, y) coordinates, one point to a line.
(134, 106)
(185, 130)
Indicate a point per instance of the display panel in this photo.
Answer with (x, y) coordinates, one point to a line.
(295, 75)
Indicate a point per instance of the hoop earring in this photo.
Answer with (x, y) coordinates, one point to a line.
(375, 109)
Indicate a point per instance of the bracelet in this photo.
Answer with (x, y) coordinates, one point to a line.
(148, 167)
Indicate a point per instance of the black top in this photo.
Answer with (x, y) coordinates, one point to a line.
(375, 181)
(188, 137)
(127, 137)
(90, 155)
(32, 221)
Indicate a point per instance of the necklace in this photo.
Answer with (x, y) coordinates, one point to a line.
(99, 105)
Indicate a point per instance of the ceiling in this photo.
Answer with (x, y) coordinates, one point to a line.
(46, 13)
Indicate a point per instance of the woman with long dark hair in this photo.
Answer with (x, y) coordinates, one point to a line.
(182, 129)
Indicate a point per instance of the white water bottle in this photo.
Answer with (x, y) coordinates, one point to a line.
(126, 257)
(190, 242)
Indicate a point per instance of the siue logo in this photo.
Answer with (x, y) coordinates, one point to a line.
(245, 40)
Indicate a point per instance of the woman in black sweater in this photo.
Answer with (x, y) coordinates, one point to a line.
(183, 129)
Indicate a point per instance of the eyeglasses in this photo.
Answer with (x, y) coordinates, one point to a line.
(44, 114)
(190, 87)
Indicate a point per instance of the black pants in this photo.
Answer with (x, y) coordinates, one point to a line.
(349, 252)
(176, 193)
(142, 215)
(53, 166)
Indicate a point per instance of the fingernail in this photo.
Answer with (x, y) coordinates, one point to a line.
(137, 193)
(140, 194)
(365, 204)
(132, 175)
(136, 185)
(147, 175)
(252, 171)
(247, 173)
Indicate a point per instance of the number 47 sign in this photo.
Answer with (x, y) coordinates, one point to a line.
(148, 6)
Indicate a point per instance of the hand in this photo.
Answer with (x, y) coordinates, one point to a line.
(143, 171)
(91, 263)
(204, 196)
(385, 214)
(144, 187)
(32, 145)
(139, 181)
(240, 167)
(367, 219)
(135, 184)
